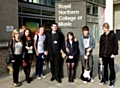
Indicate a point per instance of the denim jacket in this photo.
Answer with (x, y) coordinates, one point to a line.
(81, 44)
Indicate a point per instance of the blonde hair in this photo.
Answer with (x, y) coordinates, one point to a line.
(15, 31)
(106, 25)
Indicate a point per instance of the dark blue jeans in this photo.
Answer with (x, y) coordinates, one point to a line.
(39, 65)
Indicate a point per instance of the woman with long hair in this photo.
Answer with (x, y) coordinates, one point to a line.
(70, 48)
(28, 50)
(16, 49)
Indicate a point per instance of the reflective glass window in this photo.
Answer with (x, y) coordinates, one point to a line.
(89, 8)
(49, 13)
(30, 10)
(36, 1)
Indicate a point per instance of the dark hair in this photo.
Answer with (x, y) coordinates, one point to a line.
(30, 33)
(70, 33)
(85, 28)
(41, 26)
(54, 23)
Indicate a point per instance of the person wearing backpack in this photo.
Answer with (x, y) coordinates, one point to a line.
(39, 51)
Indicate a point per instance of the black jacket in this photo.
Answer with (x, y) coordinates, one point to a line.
(108, 45)
(73, 49)
(11, 50)
(48, 43)
(30, 43)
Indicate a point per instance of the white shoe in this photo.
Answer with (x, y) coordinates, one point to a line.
(85, 82)
(43, 76)
(92, 80)
(38, 77)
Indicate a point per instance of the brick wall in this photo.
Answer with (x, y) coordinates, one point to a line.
(3, 52)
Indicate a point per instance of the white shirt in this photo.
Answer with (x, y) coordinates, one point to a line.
(86, 42)
(18, 48)
(40, 44)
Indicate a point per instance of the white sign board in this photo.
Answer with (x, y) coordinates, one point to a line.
(9, 28)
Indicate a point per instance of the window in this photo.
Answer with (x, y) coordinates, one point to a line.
(49, 2)
(89, 8)
(36, 1)
(95, 9)
(48, 13)
(30, 10)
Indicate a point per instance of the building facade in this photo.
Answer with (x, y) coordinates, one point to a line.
(33, 13)
(116, 18)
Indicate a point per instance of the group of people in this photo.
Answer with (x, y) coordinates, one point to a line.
(52, 43)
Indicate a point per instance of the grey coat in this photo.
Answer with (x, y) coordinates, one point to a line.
(81, 44)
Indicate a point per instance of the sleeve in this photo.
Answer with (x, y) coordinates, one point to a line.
(100, 46)
(76, 49)
(93, 43)
(64, 48)
(45, 43)
(81, 48)
(35, 37)
(115, 45)
(10, 49)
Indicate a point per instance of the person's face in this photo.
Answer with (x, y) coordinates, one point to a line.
(105, 29)
(23, 28)
(85, 32)
(17, 35)
(27, 33)
(54, 27)
(70, 37)
(41, 30)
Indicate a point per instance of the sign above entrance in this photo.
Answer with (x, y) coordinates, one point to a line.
(70, 14)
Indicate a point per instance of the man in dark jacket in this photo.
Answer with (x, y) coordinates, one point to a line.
(108, 50)
(53, 45)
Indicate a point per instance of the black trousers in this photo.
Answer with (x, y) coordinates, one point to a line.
(16, 66)
(56, 65)
(109, 61)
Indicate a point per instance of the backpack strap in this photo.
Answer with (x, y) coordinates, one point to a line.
(37, 40)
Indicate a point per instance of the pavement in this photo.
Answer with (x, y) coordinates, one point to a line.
(6, 80)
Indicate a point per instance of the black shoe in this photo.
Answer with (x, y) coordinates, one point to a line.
(112, 83)
(69, 80)
(102, 82)
(28, 81)
(58, 80)
(52, 79)
(72, 80)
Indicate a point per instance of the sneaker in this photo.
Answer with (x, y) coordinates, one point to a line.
(16, 84)
(102, 82)
(85, 82)
(38, 77)
(43, 76)
(112, 83)
(92, 80)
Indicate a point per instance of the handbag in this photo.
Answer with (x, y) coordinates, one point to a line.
(8, 59)
(24, 64)
(64, 56)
